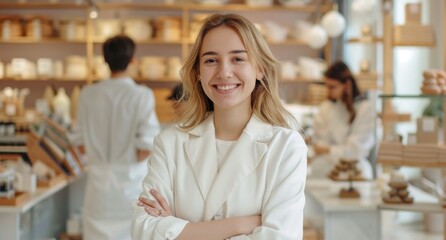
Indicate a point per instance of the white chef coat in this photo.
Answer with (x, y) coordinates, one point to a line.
(115, 118)
(351, 141)
(263, 174)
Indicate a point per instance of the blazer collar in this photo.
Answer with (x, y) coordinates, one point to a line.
(242, 160)
(256, 128)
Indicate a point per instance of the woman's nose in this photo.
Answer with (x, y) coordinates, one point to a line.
(225, 71)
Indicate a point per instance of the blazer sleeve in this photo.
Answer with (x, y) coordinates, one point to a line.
(361, 139)
(321, 126)
(148, 126)
(282, 215)
(160, 177)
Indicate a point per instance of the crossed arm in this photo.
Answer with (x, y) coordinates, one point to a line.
(217, 229)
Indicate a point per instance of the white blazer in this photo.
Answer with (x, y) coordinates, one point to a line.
(353, 141)
(263, 174)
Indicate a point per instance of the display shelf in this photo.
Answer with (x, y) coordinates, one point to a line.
(366, 40)
(310, 8)
(411, 96)
(420, 164)
(148, 42)
(45, 80)
(301, 81)
(43, 6)
(412, 44)
(414, 207)
(37, 40)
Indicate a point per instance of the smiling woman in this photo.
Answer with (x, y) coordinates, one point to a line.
(237, 170)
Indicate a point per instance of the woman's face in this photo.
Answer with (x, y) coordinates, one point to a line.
(335, 89)
(226, 73)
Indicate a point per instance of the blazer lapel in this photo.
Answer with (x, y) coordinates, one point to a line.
(241, 161)
(201, 153)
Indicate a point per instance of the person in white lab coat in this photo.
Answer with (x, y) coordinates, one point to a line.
(344, 126)
(233, 168)
(116, 125)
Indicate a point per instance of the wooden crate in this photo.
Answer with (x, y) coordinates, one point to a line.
(16, 200)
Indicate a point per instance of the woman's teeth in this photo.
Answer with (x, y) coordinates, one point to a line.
(226, 87)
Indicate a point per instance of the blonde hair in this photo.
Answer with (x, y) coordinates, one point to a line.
(265, 98)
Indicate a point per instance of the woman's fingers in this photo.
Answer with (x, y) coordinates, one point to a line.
(149, 203)
(161, 200)
(152, 211)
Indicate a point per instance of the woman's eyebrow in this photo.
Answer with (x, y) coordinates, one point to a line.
(231, 52)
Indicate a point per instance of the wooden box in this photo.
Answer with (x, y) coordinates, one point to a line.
(413, 13)
(427, 130)
(19, 198)
(414, 35)
(51, 182)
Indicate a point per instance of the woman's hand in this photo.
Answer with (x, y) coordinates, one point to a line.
(249, 223)
(157, 207)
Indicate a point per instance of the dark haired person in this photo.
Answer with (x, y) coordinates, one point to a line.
(116, 126)
(344, 127)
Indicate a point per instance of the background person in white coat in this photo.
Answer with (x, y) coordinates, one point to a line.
(344, 126)
(233, 168)
(116, 126)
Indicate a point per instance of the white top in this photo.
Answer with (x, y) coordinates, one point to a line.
(263, 173)
(351, 141)
(223, 148)
(115, 117)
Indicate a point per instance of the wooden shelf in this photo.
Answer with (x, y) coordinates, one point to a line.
(412, 44)
(301, 81)
(420, 164)
(413, 207)
(366, 40)
(309, 8)
(148, 42)
(287, 42)
(42, 80)
(43, 6)
(42, 40)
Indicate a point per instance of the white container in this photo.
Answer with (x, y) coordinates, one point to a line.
(152, 68)
(258, 3)
(173, 68)
(106, 28)
(138, 29)
(76, 68)
(61, 104)
(7, 183)
(45, 68)
(6, 29)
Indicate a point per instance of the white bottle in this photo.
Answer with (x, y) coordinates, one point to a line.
(61, 105)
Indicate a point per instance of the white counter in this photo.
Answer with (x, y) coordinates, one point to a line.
(340, 218)
(41, 215)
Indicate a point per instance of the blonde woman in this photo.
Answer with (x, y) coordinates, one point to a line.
(233, 168)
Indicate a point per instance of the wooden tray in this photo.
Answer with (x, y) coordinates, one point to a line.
(16, 200)
(49, 183)
(65, 236)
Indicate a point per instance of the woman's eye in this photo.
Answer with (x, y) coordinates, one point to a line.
(211, 60)
(239, 59)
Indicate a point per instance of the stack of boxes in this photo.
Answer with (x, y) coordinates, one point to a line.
(425, 147)
(391, 152)
(413, 32)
